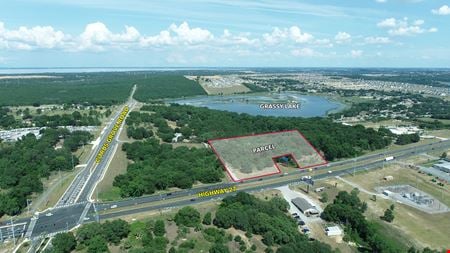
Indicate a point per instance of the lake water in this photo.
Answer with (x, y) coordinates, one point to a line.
(310, 106)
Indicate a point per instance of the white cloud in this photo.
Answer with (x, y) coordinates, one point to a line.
(96, 36)
(324, 43)
(293, 33)
(275, 37)
(356, 53)
(163, 38)
(303, 52)
(443, 10)
(229, 38)
(389, 22)
(432, 30)
(297, 35)
(342, 37)
(25, 38)
(176, 35)
(377, 40)
(402, 27)
(419, 22)
(381, 1)
(188, 35)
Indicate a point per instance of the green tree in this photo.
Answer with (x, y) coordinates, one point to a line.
(187, 216)
(97, 245)
(114, 231)
(219, 248)
(207, 219)
(64, 243)
(388, 214)
(159, 228)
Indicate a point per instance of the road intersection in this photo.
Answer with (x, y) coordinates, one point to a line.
(77, 207)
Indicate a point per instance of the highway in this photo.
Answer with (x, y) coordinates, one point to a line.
(75, 206)
(400, 153)
(69, 217)
(85, 182)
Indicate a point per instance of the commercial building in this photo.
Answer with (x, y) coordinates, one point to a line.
(443, 166)
(305, 207)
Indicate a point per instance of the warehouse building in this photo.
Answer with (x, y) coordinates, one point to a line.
(305, 207)
(443, 166)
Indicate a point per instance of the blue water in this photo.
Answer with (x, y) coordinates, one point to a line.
(310, 106)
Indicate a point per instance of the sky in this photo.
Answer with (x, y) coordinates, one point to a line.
(224, 33)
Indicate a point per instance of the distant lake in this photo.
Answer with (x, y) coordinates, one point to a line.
(310, 106)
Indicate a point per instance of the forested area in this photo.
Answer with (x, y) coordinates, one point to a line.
(92, 237)
(244, 212)
(76, 88)
(166, 86)
(158, 167)
(7, 120)
(404, 139)
(268, 219)
(89, 88)
(25, 162)
(138, 126)
(139, 133)
(201, 124)
(74, 119)
(348, 210)
(255, 88)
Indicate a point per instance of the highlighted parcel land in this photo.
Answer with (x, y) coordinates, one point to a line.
(252, 156)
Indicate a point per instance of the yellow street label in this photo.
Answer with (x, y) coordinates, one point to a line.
(217, 191)
(112, 134)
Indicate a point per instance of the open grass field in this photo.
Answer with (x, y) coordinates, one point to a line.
(118, 165)
(411, 226)
(220, 85)
(244, 158)
(225, 90)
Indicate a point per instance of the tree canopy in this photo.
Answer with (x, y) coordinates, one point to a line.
(201, 124)
(25, 162)
(157, 167)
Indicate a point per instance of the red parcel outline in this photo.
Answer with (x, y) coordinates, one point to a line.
(273, 158)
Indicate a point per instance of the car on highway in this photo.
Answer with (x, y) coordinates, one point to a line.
(48, 214)
(113, 206)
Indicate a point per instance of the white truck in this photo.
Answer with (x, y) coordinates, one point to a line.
(389, 158)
